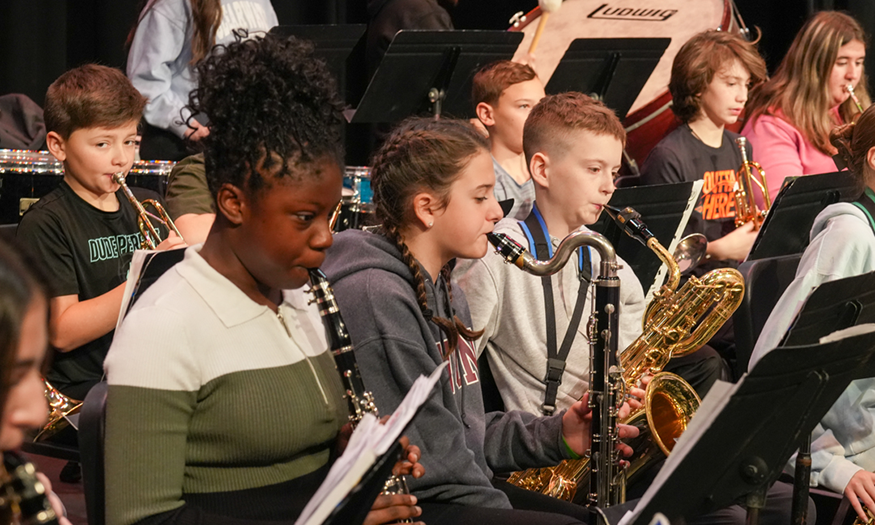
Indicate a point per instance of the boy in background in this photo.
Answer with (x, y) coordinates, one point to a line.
(503, 94)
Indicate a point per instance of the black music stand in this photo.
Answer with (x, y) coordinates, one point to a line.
(778, 404)
(788, 223)
(832, 306)
(613, 70)
(156, 263)
(662, 208)
(333, 44)
(431, 71)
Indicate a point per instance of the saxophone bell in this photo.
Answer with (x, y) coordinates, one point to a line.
(151, 237)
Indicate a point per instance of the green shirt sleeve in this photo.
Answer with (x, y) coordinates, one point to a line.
(187, 189)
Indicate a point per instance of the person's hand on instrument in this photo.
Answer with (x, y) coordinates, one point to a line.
(861, 488)
(734, 245)
(54, 500)
(390, 508)
(576, 423)
(172, 241)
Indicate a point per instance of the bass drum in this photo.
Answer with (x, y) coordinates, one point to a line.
(650, 117)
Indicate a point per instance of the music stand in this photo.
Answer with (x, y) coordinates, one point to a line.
(788, 223)
(431, 71)
(613, 70)
(832, 306)
(663, 208)
(778, 404)
(333, 44)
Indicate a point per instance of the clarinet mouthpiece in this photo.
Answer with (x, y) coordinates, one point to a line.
(507, 248)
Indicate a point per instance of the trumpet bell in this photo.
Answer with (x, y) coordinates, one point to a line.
(61, 408)
(690, 251)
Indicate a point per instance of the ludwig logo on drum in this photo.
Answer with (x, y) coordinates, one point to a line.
(644, 14)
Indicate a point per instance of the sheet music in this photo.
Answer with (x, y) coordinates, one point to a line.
(369, 441)
(707, 412)
(682, 225)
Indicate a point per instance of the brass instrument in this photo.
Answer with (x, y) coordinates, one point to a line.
(360, 401)
(60, 408)
(673, 326)
(850, 90)
(746, 209)
(606, 387)
(23, 498)
(151, 238)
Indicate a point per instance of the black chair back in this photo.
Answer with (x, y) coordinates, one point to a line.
(764, 282)
(92, 426)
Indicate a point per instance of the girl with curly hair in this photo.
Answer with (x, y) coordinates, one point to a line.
(842, 245)
(433, 189)
(224, 403)
(789, 117)
(170, 38)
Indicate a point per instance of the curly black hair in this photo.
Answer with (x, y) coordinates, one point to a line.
(266, 97)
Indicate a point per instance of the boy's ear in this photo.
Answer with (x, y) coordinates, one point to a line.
(231, 203)
(56, 145)
(485, 113)
(424, 208)
(539, 167)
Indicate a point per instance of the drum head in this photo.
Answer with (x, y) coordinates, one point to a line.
(675, 19)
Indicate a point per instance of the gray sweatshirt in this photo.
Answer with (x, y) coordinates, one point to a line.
(508, 304)
(395, 344)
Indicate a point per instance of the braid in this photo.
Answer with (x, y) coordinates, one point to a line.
(422, 155)
(458, 326)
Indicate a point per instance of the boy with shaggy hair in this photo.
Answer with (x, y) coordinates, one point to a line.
(710, 79)
(503, 94)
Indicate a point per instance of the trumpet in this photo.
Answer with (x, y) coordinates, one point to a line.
(61, 407)
(850, 90)
(746, 209)
(151, 238)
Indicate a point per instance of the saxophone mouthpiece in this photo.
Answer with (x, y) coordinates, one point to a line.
(630, 222)
(507, 248)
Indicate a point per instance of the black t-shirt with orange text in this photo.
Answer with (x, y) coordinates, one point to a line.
(681, 157)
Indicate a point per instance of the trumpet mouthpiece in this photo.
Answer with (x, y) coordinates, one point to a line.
(119, 177)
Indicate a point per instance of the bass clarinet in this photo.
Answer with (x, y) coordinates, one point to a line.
(360, 401)
(607, 389)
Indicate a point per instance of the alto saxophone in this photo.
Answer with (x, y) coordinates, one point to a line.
(23, 497)
(606, 387)
(360, 401)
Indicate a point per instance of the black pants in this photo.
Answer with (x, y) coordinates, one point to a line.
(700, 369)
(529, 508)
(160, 144)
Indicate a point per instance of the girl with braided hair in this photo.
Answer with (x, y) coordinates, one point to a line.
(433, 189)
(842, 245)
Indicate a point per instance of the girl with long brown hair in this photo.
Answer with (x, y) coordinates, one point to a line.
(433, 188)
(171, 36)
(790, 116)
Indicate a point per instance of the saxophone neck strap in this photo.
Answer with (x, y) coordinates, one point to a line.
(539, 242)
(866, 202)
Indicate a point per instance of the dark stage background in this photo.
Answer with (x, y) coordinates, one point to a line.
(40, 39)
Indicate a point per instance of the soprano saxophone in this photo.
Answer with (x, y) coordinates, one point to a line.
(360, 401)
(607, 389)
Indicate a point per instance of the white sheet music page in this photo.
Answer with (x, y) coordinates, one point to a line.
(682, 225)
(707, 412)
(369, 441)
(138, 260)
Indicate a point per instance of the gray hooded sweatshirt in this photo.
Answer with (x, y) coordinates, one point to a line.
(395, 344)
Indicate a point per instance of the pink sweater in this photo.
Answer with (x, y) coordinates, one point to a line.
(782, 151)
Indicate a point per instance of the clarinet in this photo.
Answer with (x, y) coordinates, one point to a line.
(22, 494)
(360, 401)
(606, 386)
